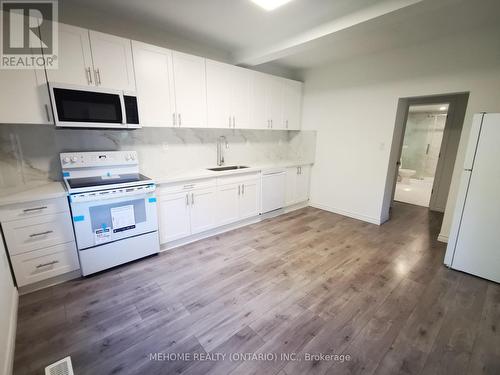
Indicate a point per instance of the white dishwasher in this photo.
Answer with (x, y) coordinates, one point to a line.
(273, 189)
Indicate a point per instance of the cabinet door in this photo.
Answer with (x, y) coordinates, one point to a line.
(190, 90)
(250, 199)
(113, 65)
(292, 104)
(291, 185)
(202, 210)
(302, 186)
(228, 203)
(219, 86)
(75, 59)
(154, 81)
(258, 115)
(174, 218)
(240, 97)
(274, 101)
(28, 87)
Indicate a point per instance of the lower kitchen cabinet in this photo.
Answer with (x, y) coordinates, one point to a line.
(297, 184)
(186, 209)
(238, 198)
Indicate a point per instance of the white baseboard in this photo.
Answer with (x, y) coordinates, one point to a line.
(354, 215)
(11, 335)
(50, 282)
(442, 238)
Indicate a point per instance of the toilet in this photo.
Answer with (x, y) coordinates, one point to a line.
(405, 175)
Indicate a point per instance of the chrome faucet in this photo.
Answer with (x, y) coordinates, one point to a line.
(220, 152)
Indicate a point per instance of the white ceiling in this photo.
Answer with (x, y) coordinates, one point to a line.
(302, 33)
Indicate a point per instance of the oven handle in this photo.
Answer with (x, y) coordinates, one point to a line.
(145, 195)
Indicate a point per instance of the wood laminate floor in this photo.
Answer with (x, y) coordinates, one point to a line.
(304, 283)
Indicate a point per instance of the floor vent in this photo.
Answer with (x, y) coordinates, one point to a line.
(62, 367)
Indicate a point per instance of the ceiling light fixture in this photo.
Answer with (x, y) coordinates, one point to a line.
(443, 108)
(270, 4)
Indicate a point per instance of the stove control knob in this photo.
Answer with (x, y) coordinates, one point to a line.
(73, 159)
(132, 156)
(127, 157)
(66, 160)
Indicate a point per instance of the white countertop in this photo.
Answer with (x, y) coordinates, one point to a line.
(54, 189)
(202, 173)
(32, 192)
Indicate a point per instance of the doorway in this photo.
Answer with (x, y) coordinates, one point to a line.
(423, 152)
(420, 153)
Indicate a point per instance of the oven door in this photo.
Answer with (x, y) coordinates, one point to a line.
(107, 220)
(76, 106)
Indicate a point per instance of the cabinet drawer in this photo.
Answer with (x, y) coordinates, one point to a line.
(46, 263)
(33, 209)
(238, 178)
(37, 232)
(186, 186)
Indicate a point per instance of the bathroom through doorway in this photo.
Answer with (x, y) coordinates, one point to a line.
(424, 148)
(420, 153)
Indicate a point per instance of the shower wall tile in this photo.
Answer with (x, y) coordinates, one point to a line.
(30, 153)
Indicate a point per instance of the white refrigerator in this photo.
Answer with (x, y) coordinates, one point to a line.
(474, 243)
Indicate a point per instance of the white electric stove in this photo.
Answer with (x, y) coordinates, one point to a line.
(113, 208)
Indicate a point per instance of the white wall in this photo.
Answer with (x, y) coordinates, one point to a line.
(8, 312)
(353, 105)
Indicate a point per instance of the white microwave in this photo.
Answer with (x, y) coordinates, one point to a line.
(93, 107)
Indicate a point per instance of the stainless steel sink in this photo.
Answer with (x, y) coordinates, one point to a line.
(227, 168)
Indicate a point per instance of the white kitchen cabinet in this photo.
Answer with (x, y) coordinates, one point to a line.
(28, 87)
(75, 57)
(249, 199)
(258, 108)
(297, 184)
(228, 198)
(186, 209)
(202, 210)
(113, 65)
(154, 81)
(228, 96)
(174, 216)
(190, 90)
(292, 104)
(274, 102)
(93, 58)
(238, 197)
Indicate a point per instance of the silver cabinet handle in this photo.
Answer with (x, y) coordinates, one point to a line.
(89, 75)
(239, 189)
(173, 118)
(300, 170)
(97, 76)
(47, 112)
(47, 264)
(187, 199)
(271, 123)
(190, 186)
(180, 122)
(35, 209)
(243, 189)
(192, 198)
(41, 233)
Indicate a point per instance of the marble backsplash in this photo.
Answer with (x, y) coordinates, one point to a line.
(30, 153)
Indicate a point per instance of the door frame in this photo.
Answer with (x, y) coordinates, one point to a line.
(449, 147)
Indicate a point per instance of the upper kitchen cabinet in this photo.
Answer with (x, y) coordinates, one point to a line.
(155, 84)
(275, 102)
(228, 96)
(292, 104)
(113, 65)
(93, 58)
(190, 90)
(75, 59)
(24, 98)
